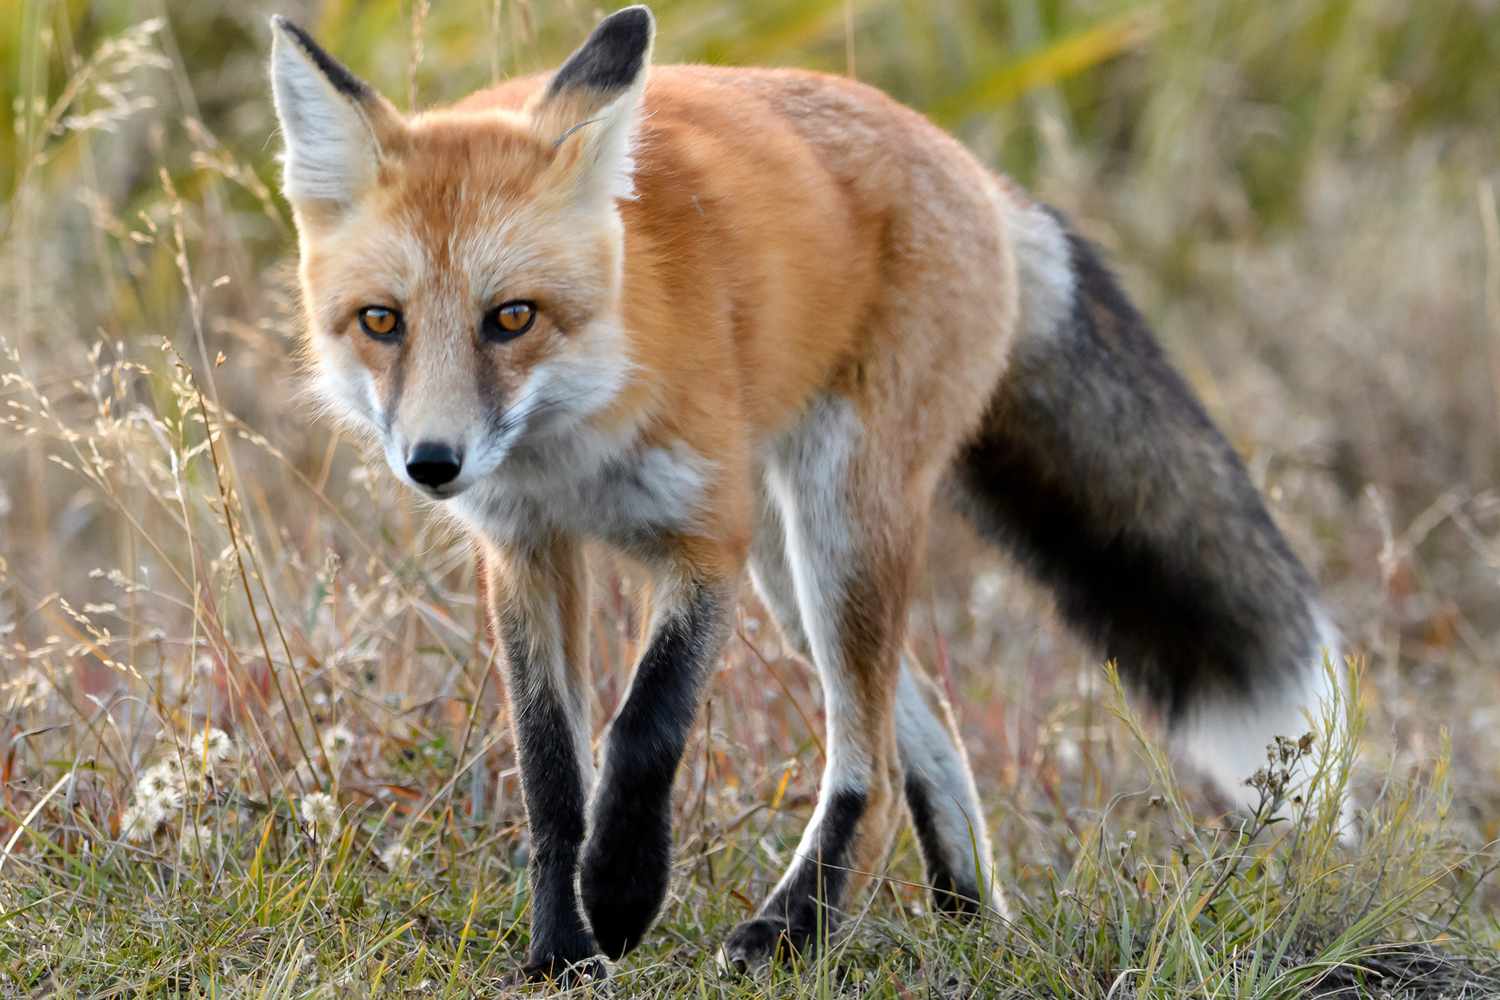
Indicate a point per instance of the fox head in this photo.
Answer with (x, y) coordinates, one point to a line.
(461, 270)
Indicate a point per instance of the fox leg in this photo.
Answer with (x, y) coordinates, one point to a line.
(852, 558)
(771, 572)
(539, 605)
(939, 786)
(627, 861)
(942, 799)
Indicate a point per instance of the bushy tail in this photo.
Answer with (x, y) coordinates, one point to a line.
(1100, 471)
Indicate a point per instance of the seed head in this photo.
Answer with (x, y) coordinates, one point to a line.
(138, 824)
(197, 842)
(320, 816)
(213, 746)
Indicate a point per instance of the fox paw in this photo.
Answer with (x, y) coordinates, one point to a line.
(626, 869)
(621, 912)
(758, 942)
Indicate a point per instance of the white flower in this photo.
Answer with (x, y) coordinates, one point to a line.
(197, 841)
(138, 823)
(397, 856)
(320, 815)
(161, 784)
(193, 782)
(214, 746)
(338, 744)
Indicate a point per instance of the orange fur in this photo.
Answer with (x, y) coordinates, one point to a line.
(798, 247)
(755, 274)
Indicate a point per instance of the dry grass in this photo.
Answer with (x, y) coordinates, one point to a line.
(1299, 195)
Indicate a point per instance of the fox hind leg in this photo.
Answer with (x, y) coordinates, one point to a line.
(850, 585)
(941, 797)
(833, 560)
(937, 780)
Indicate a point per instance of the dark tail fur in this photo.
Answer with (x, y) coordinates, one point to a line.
(1098, 468)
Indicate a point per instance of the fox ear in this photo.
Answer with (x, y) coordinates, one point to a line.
(333, 122)
(591, 108)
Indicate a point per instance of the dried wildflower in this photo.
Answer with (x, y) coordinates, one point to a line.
(196, 842)
(1276, 782)
(213, 746)
(193, 781)
(139, 823)
(320, 816)
(397, 856)
(162, 784)
(338, 744)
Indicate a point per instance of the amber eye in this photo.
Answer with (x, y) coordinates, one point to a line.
(380, 322)
(509, 320)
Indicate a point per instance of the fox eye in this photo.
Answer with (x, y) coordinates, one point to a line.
(380, 322)
(509, 320)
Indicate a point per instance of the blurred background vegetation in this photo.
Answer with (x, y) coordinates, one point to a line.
(1345, 141)
(1299, 193)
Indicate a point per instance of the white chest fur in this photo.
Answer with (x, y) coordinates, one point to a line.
(588, 487)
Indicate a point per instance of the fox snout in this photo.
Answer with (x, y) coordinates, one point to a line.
(434, 464)
(439, 462)
(438, 435)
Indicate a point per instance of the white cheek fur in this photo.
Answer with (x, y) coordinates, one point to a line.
(343, 389)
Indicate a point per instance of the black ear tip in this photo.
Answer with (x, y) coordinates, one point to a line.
(636, 19)
(613, 56)
(337, 74)
(285, 24)
(627, 30)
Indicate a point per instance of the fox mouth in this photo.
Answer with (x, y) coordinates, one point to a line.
(441, 492)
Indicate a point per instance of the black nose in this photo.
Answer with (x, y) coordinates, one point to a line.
(433, 464)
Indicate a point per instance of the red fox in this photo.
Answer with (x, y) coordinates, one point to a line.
(767, 320)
